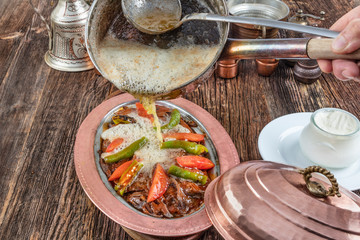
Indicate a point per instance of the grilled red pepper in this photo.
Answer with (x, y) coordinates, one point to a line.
(128, 177)
(119, 171)
(195, 162)
(143, 113)
(193, 137)
(114, 144)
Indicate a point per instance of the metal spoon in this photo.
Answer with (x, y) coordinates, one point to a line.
(159, 16)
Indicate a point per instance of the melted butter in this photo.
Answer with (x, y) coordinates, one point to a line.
(147, 65)
(151, 152)
(158, 21)
(141, 69)
(149, 105)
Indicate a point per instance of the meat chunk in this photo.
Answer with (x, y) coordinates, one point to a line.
(137, 199)
(105, 143)
(162, 111)
(141, 184)
(156, 208)
(192, 189)
(176, 199)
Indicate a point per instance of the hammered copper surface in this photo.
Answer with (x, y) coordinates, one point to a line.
(265, 200)
(141, 236)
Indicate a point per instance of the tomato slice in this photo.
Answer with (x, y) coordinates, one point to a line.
(198, 162)
(142, 112)
(160, 182)
(119, 171)
(114, 144)
(193, 137)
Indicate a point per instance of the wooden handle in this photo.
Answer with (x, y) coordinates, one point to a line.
(321, 49)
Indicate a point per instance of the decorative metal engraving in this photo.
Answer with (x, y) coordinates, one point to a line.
(67, 51)
(317, 189)
(76, 7)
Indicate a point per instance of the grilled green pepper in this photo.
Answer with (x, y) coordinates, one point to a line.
(128, 176)
(189, 147)
(122, 119)
(174, 120)
(183, 173)
(126, 152)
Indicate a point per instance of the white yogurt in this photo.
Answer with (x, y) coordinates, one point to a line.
(332, 138)
(336, 122)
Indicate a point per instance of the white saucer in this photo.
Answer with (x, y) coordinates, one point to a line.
(279, 142)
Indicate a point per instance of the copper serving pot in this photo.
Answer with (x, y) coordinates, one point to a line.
(95, 184)
(251, 200)
(103, 12)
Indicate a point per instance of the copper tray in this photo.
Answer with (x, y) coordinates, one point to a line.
(109, 203)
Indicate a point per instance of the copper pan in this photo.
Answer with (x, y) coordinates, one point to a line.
(103, 12)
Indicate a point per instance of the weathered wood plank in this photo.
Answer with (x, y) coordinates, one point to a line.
(19, 91)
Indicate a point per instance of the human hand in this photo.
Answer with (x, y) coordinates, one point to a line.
(348, 41)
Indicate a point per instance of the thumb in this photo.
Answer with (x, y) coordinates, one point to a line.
(349, 39)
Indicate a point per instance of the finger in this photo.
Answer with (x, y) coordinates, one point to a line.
(325, 66)
(342, 22)
(349, 39)
(345, 70)
(357, 79)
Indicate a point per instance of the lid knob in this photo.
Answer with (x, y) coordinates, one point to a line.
(317, 189)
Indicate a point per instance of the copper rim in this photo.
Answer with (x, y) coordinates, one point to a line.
(98, 193)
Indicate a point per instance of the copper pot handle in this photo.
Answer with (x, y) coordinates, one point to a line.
(317, 189)
(282, 48)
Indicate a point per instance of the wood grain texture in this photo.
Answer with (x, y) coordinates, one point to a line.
(41, 110)
(321, 49)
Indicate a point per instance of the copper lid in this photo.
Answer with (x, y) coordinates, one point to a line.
(266, 200)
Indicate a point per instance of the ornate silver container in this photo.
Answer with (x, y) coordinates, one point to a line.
(67, 50)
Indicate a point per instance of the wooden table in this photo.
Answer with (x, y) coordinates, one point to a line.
(41, 110)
